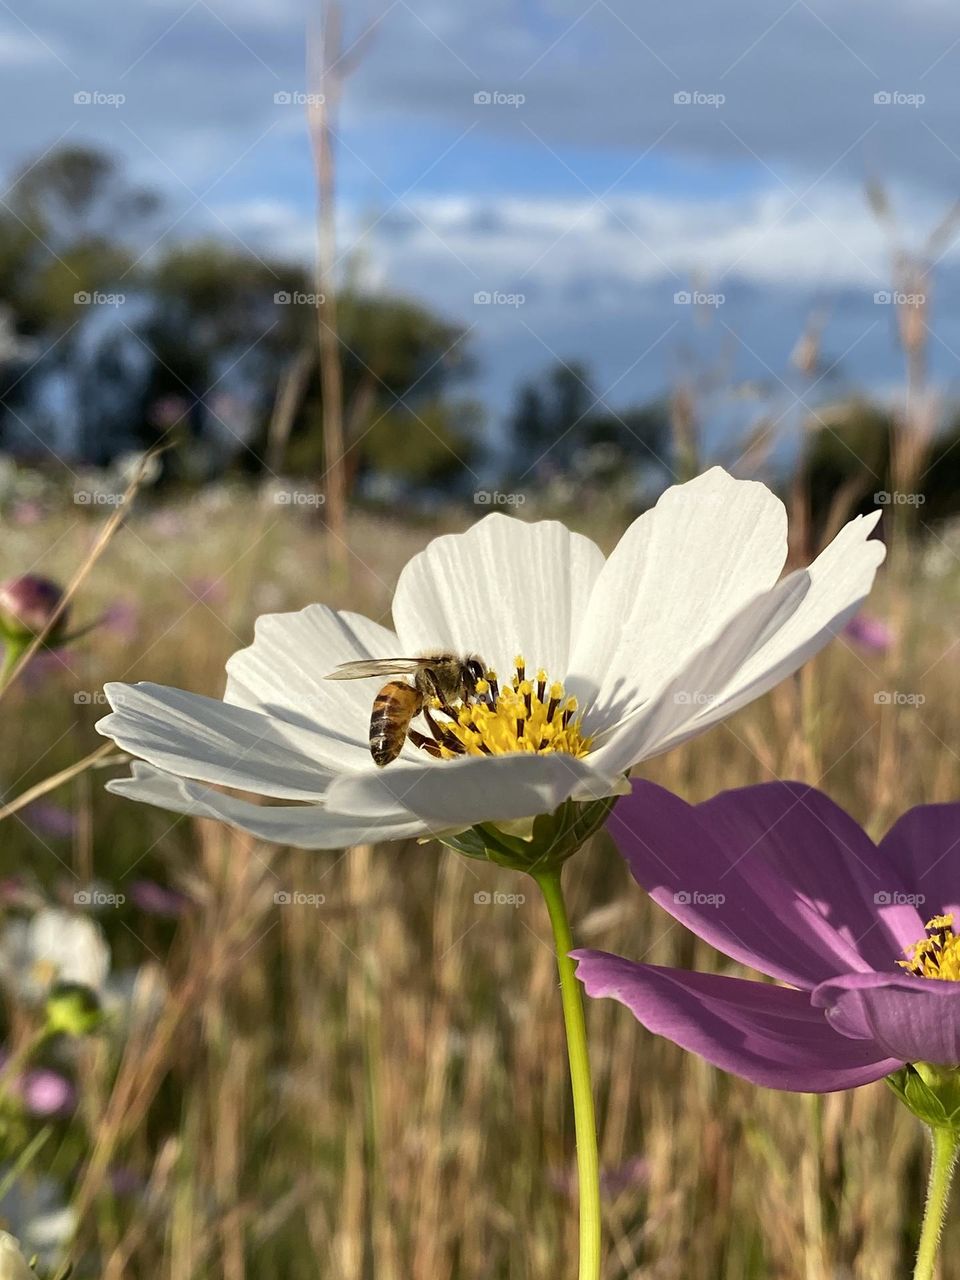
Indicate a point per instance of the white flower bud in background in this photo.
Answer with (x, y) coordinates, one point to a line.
(13, 1265)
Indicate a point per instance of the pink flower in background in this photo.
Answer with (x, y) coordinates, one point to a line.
(167, 411)
(47, 1093)
(167, 524)
(14, 892)
(48, 819)
(42, 1091)
(125, 1181)
(122, 619)
(43, 666)
(27, 512)
(631, 1175)
(869, 633)
(157, 900)
(208, 590)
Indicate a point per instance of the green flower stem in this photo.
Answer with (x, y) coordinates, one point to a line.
(12, 653)
(943, 1157)
(588, 1159)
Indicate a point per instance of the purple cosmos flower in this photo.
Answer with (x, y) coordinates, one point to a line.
(781, 879)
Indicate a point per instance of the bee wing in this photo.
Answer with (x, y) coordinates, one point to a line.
(376, 667)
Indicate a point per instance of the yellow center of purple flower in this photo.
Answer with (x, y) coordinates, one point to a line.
(525, 715)
(938, 954)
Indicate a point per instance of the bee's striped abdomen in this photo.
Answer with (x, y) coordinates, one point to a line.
(393, 708)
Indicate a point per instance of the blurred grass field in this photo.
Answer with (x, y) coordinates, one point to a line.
(375, 1088)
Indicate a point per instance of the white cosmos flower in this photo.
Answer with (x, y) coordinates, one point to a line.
(50, 947)
(686, 622)
(57, 946)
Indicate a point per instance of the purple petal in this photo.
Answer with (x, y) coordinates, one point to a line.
(917, 1019)
(770, 1035)
(924, 847)
(776, 876)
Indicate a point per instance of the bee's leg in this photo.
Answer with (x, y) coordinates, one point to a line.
(424, 743)
(437, 692)
(442, 737)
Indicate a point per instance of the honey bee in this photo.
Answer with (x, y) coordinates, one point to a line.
(441, 676)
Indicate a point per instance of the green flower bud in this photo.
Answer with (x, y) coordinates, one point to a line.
(932, 1093)
(72, 1009)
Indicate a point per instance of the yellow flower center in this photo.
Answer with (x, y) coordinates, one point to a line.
(938, 954)
(525, 715)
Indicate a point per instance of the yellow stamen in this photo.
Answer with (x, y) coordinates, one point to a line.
(527, 715)
(937, 955)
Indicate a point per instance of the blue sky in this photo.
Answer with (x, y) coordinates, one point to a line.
(597, 197)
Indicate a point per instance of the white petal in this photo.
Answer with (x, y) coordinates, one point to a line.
(694, 687)
(282, 674)
(309, 826)
(210, 740)
(678, 574)
(396, 803)
(458, 793)
(502, 588)
(771, 638)
(841, 577)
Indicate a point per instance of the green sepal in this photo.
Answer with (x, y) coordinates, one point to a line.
(555, 837)
(932, 1093)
